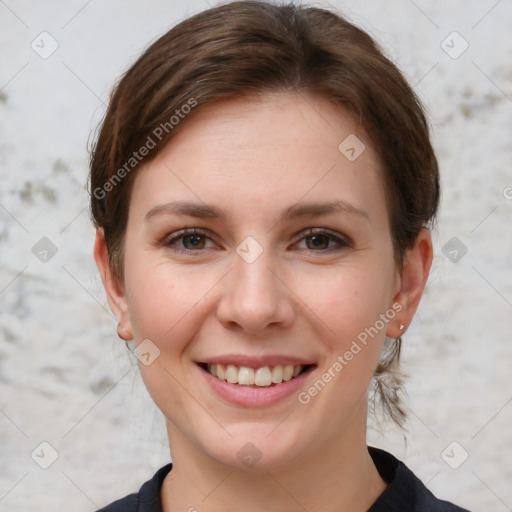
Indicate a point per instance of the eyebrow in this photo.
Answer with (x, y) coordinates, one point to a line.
(201, 210)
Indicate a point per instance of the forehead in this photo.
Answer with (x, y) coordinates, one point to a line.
(252, 152)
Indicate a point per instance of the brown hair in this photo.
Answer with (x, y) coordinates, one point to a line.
(253, 47)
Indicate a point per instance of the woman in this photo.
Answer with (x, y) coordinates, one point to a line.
(262, 187)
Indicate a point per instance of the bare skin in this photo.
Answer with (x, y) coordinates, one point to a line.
(306, 295)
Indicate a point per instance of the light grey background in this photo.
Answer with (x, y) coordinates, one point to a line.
(67, 380)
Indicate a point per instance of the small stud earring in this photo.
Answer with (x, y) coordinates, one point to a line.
(124, 333)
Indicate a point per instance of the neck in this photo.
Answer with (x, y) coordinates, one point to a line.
(338, 475)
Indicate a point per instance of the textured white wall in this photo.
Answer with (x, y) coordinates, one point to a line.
(67, 380)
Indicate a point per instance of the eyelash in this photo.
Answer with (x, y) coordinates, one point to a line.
(342, 242)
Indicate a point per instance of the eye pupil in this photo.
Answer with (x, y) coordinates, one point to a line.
(195, 240)
(318, 240)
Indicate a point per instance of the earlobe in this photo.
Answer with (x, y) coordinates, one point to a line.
(113, 288)
(412, 281)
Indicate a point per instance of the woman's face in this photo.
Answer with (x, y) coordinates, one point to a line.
(287, 261)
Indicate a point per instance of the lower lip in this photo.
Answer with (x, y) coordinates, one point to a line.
(253, 396)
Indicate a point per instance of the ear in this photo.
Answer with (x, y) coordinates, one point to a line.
(411, 282)
(113, 288)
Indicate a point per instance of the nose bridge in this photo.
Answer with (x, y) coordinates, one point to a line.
(254, 285)
(254, 276)
(253, 297)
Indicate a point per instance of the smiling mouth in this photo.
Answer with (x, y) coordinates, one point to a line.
(263, 377)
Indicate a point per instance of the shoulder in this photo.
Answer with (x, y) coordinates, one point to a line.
(146, 500)
(405, 491)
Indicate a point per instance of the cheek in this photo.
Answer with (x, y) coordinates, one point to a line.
(349, 305)
(348, 302)
(164, 306)
(153, 296)
(345, 300)
(165, 300)
(156, 305)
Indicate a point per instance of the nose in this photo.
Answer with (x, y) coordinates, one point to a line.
(255, 297)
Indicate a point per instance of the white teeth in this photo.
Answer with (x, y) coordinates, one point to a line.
(246, 376)
(287, 372)
(277, 374)
(232, 374)
(262, 377)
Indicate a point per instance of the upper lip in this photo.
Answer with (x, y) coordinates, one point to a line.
(257, 361)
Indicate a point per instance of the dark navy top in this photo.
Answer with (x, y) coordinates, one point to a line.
(404, 493)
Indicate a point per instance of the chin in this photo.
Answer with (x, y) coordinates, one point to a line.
(253, 449)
